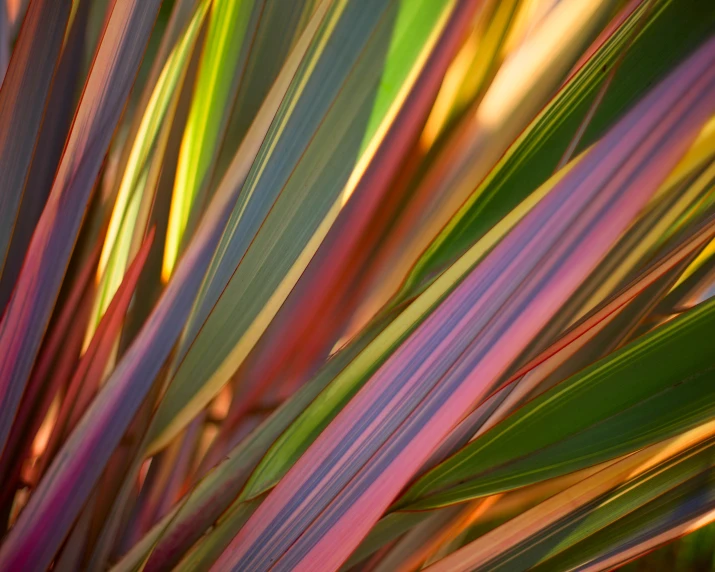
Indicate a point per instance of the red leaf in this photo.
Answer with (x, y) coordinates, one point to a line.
(28, 312)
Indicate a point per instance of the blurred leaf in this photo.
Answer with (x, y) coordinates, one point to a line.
(414, 284)
(28, 312)
(70, 558)
(420, 542)
(474, 66)
(389, 529)
(4, 40)
(532, 158)
(495, 511)
(686, 510)
(78, 465)
(23, 97)
(475, 148)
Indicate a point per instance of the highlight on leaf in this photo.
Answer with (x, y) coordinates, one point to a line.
(357, 285)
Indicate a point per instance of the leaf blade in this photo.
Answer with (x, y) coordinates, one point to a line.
(315, 503)
(37, 288)
(25, 89)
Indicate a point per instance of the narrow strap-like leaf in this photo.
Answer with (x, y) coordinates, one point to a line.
(108, 85)
(511, 535)
(325, 505)
(78, 465)
(22, 103)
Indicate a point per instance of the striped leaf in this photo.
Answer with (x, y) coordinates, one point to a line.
(357, 466)
(105, 93)
(362, 65)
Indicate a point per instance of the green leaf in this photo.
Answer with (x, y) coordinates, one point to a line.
(209, 548)
(228, 26)
(662, 497)
(645, 478)
(144, 149)
(246, 44)
(360, 67)
(638, 395)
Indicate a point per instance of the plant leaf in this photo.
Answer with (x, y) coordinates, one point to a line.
(651, 397)
(456, 169)
(28, 312)
(23, 97)
(339, 488)
(571, 502)
(56, 124)
(159, 108)
(656, 501)
(55, 363)
(243, 37)
(362, 65)
(230, 22)
(296, 439)
(70, 478)
(533, 157)
(93, 363)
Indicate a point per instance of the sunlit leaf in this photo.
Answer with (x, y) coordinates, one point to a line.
(115, 252)
(535, 154)
(358, 465)
(232, 52)
(651, 397)
(508, 541)
(359, 69)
